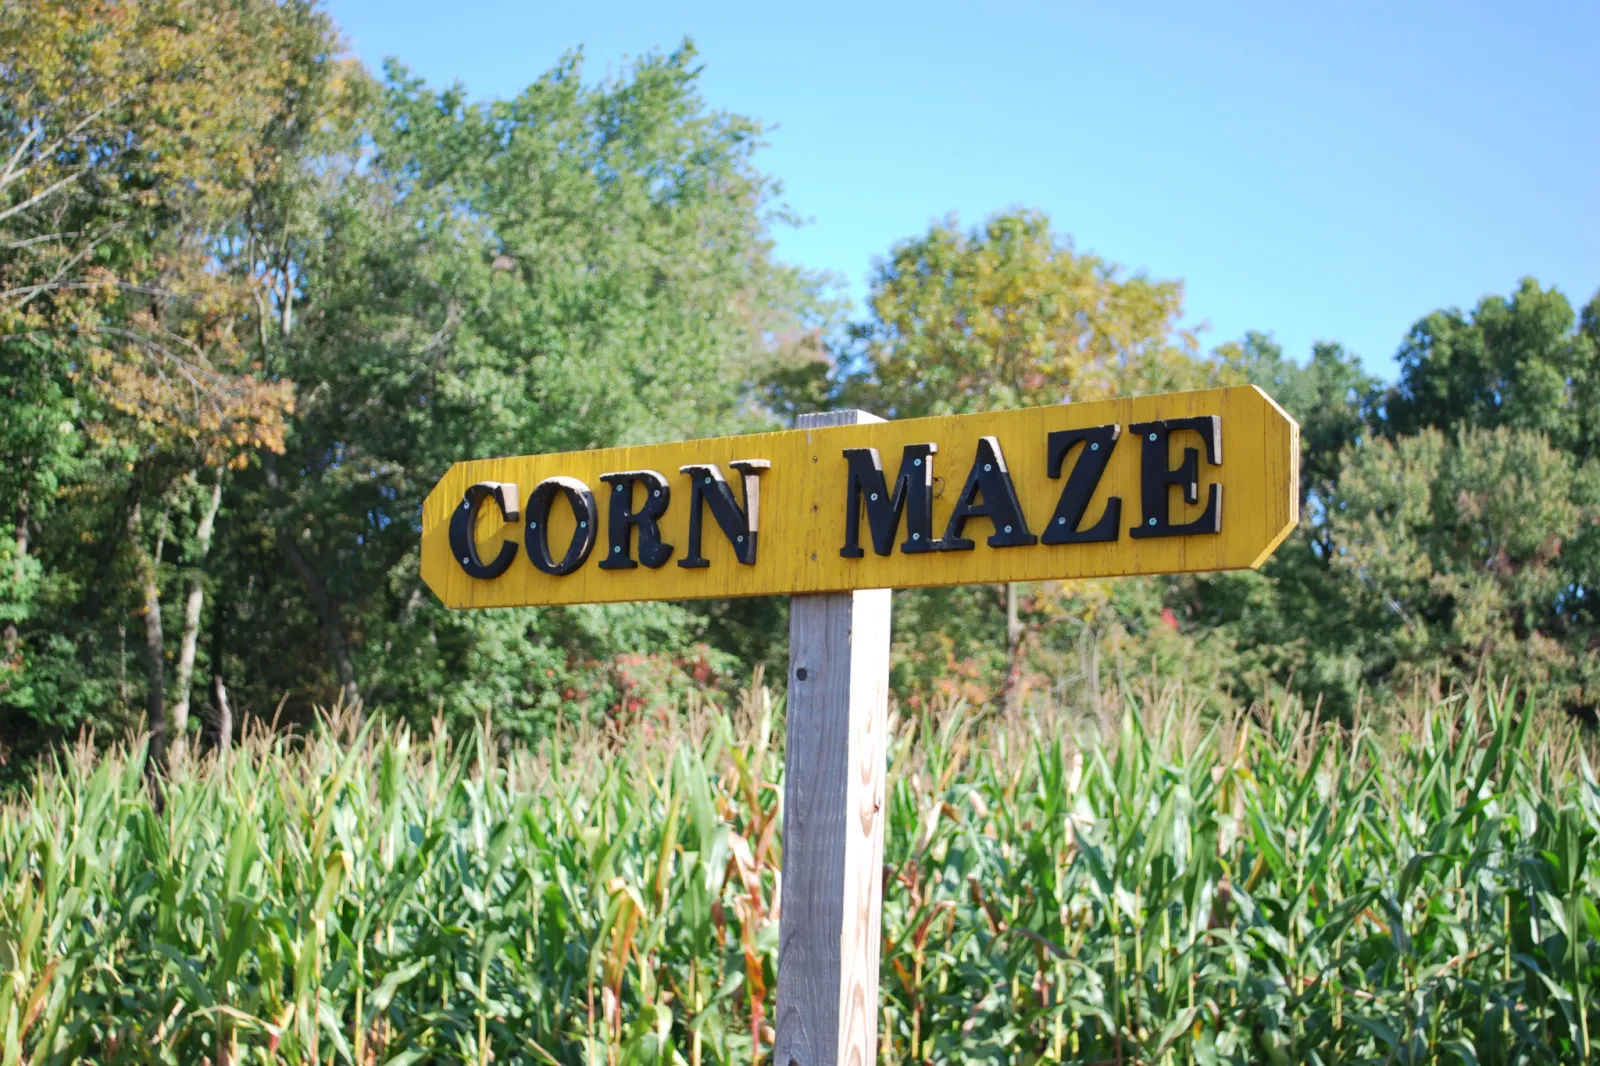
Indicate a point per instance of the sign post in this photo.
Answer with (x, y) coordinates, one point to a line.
(833, 815)
(836, 513)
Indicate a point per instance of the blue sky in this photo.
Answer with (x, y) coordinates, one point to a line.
(1319, 172)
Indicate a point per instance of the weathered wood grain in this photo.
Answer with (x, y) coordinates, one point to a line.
(830, 926)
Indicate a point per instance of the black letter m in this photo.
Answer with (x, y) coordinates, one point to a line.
(912, 496)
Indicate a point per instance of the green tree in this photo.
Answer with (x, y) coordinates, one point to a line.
(1515, 361)
(1429, 546)
(130, 133)
(581, 266)
(1009, 314)
(1472, 551)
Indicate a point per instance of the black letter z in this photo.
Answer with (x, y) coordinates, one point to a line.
(1098, 443)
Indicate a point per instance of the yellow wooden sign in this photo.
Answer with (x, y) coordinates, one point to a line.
(1148, 485)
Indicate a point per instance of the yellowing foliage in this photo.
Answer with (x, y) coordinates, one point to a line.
(132, 134)
(1008, 315)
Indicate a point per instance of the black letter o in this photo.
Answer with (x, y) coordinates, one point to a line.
(537, 535)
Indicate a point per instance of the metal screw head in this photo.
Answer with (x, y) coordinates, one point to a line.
(619, 486)
(1152, 436)
(986, 466)
(1008, 529)
(465, 506)
(1061, 521)
(533, 525)
(464, 561)
(916, 536)
(656, 493)
(615, 548)
(1152, 521)
(1095, 446)
(916, 462)
(708, 481)
(740, 538)
(583, 525)
(874, 495)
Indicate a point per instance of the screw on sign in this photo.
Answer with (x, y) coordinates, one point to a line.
(1103, 489)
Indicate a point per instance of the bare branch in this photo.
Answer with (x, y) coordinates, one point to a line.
(11, 163)
(14, 246)
(196, 371)
(66, 266)
(43, 194)
(77, 284)
(11, 174)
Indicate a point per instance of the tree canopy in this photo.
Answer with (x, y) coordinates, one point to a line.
(1009, 314)
(255, 298)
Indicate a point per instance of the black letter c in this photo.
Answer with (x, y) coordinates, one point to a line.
(464, 526)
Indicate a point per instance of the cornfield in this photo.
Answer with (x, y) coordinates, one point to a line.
(1131, 886)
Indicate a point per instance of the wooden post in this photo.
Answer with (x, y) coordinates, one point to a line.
(830, 927)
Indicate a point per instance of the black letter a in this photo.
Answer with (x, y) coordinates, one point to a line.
(989, 479)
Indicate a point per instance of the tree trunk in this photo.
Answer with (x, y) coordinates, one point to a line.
(122, 667)
(327, 610)
(1013, 682)
(191, 623)
(221, 708)
(123, 523)
(22, 531)
(287, 325)
(332, 627)
(219, 697)
(9, 637)
(155, 691)
(1013, 621)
